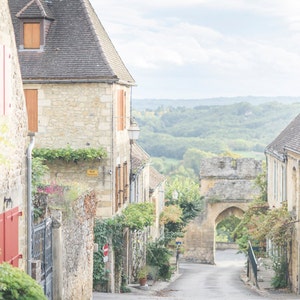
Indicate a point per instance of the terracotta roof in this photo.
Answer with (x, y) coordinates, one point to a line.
(76, 48)
(155, 178)
(289, 138)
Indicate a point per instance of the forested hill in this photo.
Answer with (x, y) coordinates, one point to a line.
(142, 104)
(179, 132)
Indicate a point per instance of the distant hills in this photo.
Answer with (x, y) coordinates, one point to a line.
(152, 104)
(182, 129)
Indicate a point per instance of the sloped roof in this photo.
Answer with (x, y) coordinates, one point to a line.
(77, 46)
(289, 138)
(139, 158)
(35, 9)
(155, 178)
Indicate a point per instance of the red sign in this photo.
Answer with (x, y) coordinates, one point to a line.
(105, 250)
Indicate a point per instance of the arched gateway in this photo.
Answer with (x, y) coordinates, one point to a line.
(227, 185)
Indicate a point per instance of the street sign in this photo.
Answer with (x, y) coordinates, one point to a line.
(105, 252)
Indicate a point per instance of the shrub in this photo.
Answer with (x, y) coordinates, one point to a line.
(16, 284)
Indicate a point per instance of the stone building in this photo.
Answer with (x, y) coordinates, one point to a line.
(283, 161)
(78, 93)
(227, 186)
(78, 96)
(13, 143)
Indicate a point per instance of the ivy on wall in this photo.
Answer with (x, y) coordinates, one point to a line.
(136, 216)
(68, 154)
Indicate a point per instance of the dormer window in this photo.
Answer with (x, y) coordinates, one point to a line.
(35, 20)
(32, 35)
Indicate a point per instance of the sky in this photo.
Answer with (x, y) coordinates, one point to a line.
(194, 49)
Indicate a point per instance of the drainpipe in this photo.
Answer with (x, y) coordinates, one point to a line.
(29, 202)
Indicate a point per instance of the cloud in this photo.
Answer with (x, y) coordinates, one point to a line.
(240, 46)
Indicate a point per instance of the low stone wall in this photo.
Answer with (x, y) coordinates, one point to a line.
(224, 246)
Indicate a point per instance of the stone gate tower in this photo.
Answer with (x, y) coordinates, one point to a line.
(227, 186)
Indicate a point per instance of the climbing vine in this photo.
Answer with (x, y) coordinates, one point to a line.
(68, 154)
(136, 216)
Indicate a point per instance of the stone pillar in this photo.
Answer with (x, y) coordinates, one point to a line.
(199, 242)
(57, 255)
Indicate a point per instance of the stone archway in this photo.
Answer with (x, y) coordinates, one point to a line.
(199, 240)
(227, 185)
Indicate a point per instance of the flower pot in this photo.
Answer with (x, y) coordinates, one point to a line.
(143, 281)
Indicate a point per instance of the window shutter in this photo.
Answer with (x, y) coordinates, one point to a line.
(11, 233)
(32, 35)
(117, 185)
(32, 109)
(125, 182)
(121, 110)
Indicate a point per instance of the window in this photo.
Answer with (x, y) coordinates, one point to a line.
(275, 183)
(32, 109)
(32, 35)
(121, 110)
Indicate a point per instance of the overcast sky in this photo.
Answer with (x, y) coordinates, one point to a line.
(192, 49)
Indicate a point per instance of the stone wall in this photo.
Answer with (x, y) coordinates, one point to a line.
(13, 128)
(76, 246)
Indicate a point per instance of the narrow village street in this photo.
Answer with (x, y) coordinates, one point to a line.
(199, 281)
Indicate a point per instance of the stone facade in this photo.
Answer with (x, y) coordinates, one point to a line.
(227, 185)
(81, 116)
(283, 170)
(13, 129)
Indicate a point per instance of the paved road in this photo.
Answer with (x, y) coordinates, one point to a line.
(199, 281)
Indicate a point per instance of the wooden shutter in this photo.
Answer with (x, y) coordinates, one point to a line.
(32, 35)
(11, 234)
(117, 186)
(121, 110)
(125, 182)
(32, 109)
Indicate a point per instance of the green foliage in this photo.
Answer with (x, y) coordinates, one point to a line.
(106, 231)
(139, 215)
(15, 284)
(158, 256)
(192, 157)
(250, 228)
(184, 193)
(39, 169)
(135, 216)
(280, 266)
(238, 127)
(225, 229)
(68, 154)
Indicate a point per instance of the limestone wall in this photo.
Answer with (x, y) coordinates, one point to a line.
(13, 127)
(77, 249)
(84, 115)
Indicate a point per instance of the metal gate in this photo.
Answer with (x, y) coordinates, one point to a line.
(42, 250)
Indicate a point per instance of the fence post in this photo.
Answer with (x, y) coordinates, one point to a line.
(57, 255)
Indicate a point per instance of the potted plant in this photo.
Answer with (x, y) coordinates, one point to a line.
(142, 275)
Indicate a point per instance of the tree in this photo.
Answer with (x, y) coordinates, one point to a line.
(184, 194)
